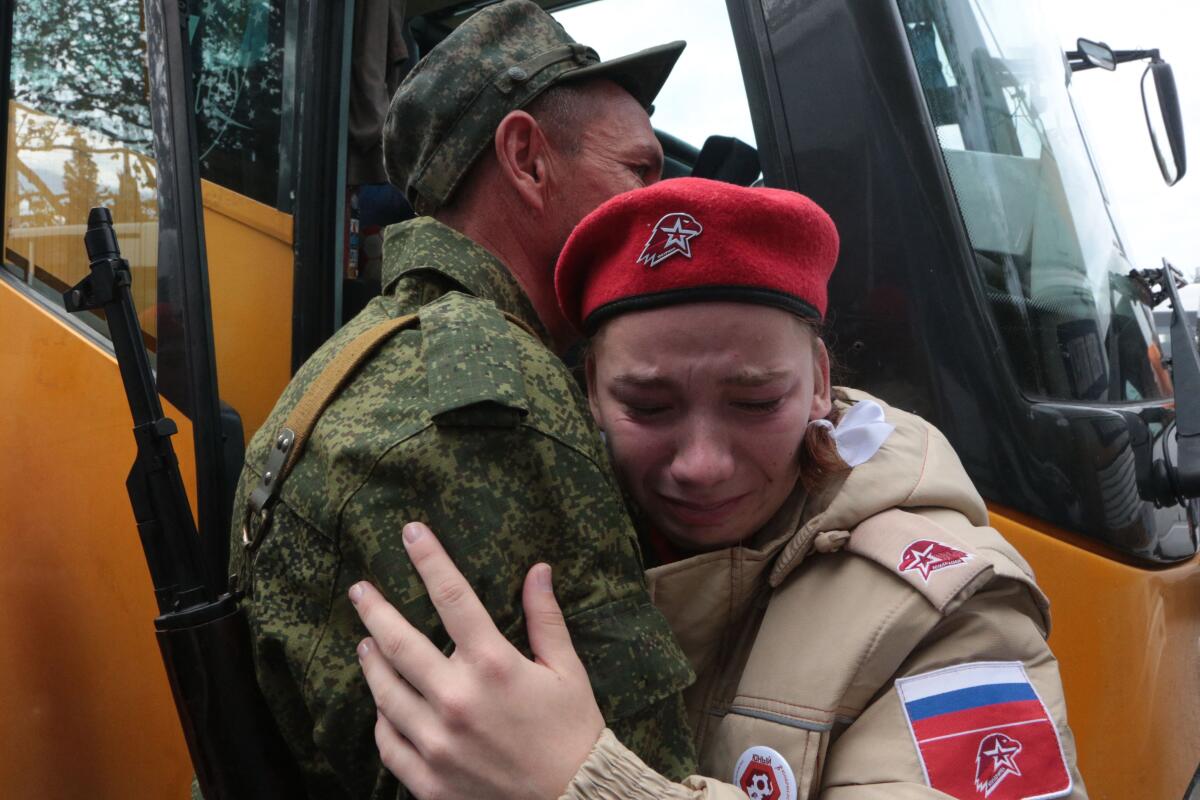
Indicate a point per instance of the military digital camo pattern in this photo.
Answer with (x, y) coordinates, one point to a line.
(471, 425)
(447, 109)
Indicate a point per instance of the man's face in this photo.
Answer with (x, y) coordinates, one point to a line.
(616, 152)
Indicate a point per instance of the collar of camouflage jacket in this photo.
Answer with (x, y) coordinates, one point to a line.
(423, 244)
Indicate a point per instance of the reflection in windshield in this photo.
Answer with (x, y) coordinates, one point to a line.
(79, 136)
(1051, 261)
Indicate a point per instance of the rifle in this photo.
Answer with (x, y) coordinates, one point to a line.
(202, 631)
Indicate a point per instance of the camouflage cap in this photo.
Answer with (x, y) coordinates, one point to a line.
(446, 110)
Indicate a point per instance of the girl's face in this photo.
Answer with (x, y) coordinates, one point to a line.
(704, 407)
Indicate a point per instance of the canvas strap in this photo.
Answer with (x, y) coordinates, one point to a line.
(293, 436)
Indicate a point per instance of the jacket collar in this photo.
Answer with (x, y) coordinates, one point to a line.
(424, 245)
(704, 595)
(914, 468)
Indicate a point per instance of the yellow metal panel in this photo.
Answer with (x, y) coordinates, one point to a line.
(86, 707)
(250, 283)
(1128, 641)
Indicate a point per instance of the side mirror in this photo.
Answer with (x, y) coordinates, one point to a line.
(1164, 120)
(1098, 54)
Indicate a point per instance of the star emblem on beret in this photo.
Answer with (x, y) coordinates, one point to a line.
(672, 235)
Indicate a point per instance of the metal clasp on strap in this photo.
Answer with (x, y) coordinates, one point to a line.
(262, 499)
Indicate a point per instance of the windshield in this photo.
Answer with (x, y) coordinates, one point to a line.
(1049, 256)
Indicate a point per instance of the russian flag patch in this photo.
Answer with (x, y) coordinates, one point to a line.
(981, 731)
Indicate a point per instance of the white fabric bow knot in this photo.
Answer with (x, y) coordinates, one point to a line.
(859, 433)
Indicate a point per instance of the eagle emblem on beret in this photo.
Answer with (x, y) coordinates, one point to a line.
(672, 235)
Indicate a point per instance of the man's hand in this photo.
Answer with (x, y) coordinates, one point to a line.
(485, 722)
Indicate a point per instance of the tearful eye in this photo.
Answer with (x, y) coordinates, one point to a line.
(646, 412)
(759, 406)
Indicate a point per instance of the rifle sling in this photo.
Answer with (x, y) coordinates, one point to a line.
(293, 436)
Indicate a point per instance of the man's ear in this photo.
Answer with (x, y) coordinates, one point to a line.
(589, 370)
(822, 402)
(521, 152)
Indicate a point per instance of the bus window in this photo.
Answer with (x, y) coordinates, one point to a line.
(1050, 259)
(79, 135)
(245, 88)
(705, 95)
(239, 76)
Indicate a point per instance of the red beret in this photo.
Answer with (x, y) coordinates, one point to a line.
(690, 240)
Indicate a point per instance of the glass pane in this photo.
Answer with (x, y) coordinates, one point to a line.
(79, 136)
(240, 72)
(705, 95)
(1055, 272)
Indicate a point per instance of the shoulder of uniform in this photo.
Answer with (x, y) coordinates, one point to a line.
(946, 563)
(472, 363)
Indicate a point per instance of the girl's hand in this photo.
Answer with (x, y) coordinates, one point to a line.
(485, 722)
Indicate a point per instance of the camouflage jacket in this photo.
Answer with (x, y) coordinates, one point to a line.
(472, 425)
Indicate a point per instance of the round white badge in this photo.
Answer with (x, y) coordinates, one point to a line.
(763, 774)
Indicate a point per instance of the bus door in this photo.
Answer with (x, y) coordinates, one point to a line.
(199, 132)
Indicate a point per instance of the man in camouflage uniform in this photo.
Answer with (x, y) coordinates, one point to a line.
(467, 421)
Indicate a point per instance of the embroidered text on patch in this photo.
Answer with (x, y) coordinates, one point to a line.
(672, 235)
(927, 557)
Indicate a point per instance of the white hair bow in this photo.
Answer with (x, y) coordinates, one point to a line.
(859, 433)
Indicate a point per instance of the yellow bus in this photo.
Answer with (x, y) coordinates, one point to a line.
(983, 284)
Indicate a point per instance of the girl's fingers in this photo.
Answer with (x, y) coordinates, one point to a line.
(406, 649)
(396, 700)
(464, 617)
(401, 757)
(549, 638)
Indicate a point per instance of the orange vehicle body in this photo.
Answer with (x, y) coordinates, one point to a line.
(87, 708)
(1119, 631)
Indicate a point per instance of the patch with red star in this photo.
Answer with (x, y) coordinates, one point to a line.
(982, 732)
(925, 557)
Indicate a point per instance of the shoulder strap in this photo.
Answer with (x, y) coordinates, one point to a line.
(292, 437)
(918, 551)
(471, 361)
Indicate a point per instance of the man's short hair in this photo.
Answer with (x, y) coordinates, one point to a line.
(562, 112)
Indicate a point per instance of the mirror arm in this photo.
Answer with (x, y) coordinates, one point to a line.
(1125, 56)
(1186, 378)
(1079, 62)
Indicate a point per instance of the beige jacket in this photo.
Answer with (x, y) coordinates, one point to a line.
(798, 641)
